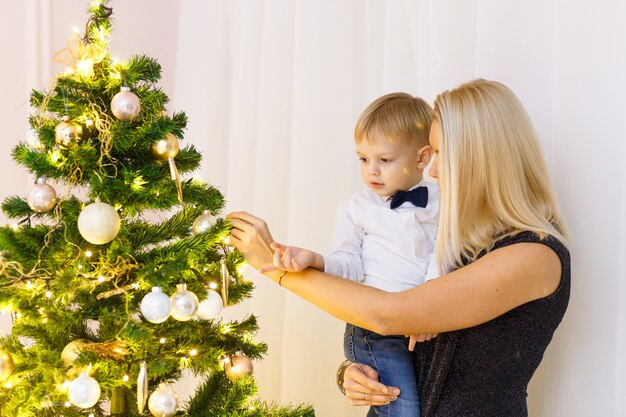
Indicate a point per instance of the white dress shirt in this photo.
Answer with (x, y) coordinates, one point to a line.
(380, 247)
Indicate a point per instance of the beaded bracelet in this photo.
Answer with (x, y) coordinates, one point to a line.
(280, 278)
(341, 371)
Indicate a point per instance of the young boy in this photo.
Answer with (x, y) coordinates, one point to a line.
(384, 236)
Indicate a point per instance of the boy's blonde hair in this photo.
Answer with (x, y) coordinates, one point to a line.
(399, 117)
(493, 177)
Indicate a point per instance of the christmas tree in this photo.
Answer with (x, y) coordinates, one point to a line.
(109, 306)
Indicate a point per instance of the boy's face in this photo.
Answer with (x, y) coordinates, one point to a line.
(390, 167)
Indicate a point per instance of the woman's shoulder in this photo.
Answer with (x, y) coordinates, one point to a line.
(527, 236)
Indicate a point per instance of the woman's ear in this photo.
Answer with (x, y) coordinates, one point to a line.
(423, 156)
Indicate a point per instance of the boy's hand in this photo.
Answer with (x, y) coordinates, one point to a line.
(414, 338)
(292, 259)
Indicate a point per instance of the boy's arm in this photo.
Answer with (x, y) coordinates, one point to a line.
(344, 257)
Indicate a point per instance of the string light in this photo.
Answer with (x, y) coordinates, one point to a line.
(226, 240)
(125, 378)
(193, 352)
(89, 122)
(29, 284)
(213, 285)
(9, 384)
(88, 254)
(48, 294)
(15, 226)
(162, 340)
(101, 278)
(80, 266)
(68, 404)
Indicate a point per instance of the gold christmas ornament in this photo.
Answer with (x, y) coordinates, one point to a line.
(67, 132)
(125, 105)
(6, 365)
(72, 350)
(99, 223)
(237, 366)
(166, 149)
(42, 198)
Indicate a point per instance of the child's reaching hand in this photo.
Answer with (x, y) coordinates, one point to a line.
(414, 338)
(293, 259)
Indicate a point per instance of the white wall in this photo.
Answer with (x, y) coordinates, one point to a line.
(273, 88)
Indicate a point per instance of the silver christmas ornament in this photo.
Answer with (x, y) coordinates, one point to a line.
(32, 139)
(84, 391)
(210, 307)
(237, 366)
(163, 402)
(183, 303)
(125, 105)
(225, 280)
(67, 132)
(99, 223)
(204, 222)
(42, 198)
(155, 306)
(142, 387)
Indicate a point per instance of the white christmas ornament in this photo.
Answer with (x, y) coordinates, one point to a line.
(210, 307)
(204, 222)
(41, 198)
(155, 306)
(84, 391)
(163, 402)
(183, 303)
(99, 223)
(125, 105)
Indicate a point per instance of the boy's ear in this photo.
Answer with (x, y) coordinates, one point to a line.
(423, 156)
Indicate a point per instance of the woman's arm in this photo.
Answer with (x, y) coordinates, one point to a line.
(494, 284)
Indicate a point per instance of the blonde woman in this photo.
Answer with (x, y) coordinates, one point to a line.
(501, 237)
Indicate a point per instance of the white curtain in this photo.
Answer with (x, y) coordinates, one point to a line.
(273, 88)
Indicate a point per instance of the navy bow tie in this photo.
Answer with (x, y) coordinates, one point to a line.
(418, 196)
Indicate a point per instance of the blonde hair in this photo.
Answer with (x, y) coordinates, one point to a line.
(397, 117)
(493, 177)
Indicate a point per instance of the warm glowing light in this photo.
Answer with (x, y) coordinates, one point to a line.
(226, 241)
(29, 284)
(18, 315)
(15, 226)
(89, 122)
(85, 67)
(135, 285)
(88, 254)
(101, 278)
(183, 359)
(9, 384)
(226, 329)
(213, 285)
(68, 404)
(162, 340)
(48, 294)
(125, 378)
(193, 352)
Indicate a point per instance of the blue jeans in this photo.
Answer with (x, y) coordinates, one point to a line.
(393, 361)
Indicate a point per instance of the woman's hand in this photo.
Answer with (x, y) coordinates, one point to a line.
(251, 236)
(363, 388)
